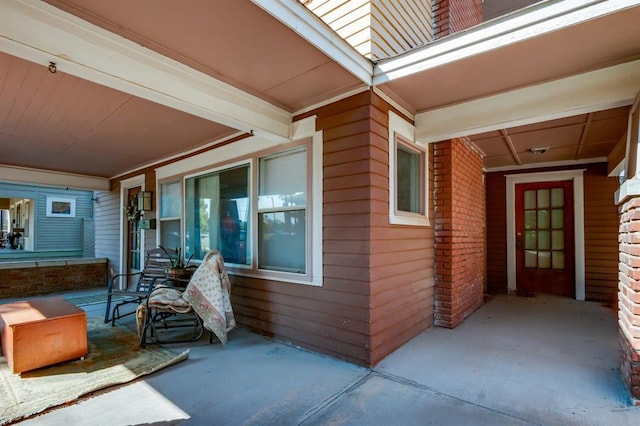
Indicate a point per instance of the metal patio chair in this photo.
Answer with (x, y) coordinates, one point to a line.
(204, 304)
(137, 285)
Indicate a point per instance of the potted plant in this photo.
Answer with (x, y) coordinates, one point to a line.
(179, 268)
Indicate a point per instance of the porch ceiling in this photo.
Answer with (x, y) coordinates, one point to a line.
(167, 77)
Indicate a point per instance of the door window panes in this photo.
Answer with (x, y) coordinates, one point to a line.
(529, 199)
(544, 224)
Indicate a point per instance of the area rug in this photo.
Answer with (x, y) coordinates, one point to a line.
(92, 299)
(114, 358)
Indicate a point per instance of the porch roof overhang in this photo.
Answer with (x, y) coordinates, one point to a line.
(138, 84)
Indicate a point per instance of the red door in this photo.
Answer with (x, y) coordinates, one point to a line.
(544, 238)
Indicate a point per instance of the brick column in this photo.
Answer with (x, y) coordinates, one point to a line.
(459, 209)
(451, 16)
(629, 295)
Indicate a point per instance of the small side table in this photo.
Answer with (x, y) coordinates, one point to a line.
(42, 332)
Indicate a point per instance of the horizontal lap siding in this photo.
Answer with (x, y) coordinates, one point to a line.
(601, 224)
(402, 258)
(333, 319)
(378, 279)
(107, 225)
(496, 233)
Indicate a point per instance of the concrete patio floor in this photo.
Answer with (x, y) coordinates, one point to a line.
(541, 360)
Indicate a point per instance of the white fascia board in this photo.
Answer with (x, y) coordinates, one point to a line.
(38, 32)
(301, 20)
(527, 23)
(49, 178)
(592, 91)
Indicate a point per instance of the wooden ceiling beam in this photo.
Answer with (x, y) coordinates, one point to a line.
(583, 136)
(512, 148)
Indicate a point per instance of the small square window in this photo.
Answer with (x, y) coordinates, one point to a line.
(408, 181)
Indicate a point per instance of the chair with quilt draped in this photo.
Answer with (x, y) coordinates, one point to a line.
(133, 288)
(204, 304)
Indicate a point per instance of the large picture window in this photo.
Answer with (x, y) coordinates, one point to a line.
(263, 210)
(217, 212)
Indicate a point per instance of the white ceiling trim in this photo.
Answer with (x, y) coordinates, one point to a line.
(584, 93)
(527, 23)
(297, 17)
(50, 178)
(38, 32)
(526, 166)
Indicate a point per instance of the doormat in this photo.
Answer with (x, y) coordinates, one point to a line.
(114, 358)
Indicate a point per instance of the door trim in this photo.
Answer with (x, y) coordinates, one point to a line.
(577, 176)
(125, 185)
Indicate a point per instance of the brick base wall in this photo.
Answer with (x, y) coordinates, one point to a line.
(629, 295)
(630, 366)
(459, 209)
(38, 278)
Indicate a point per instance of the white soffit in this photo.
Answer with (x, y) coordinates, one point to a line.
(38, 32)
(49, 178)
(297, 17)
(592, 91)
(527, 23)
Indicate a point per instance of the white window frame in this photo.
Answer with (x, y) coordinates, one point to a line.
(70, 201)
(401, 129)
(250, 162)
(243, 151)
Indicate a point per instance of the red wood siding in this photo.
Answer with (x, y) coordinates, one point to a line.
(496, 194)
(378, 279)
(600, 232)
(402, 257)
(601, 223)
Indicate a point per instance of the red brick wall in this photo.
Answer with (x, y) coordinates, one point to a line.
(459, 203)
(52, 277)
(629, 295)
(451, 16)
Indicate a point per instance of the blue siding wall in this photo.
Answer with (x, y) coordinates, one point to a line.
(66, 236)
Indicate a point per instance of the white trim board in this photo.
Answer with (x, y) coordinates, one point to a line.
(605, 88)
(577, 176)
(24, 175)
(124, 186)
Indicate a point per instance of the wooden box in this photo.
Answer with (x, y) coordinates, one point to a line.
(42, 332)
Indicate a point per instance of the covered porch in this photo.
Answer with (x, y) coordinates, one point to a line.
(516, 360)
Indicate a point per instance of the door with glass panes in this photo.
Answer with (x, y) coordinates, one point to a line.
(545, 260)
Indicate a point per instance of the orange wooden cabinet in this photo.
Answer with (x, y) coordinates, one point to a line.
(42, 332)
